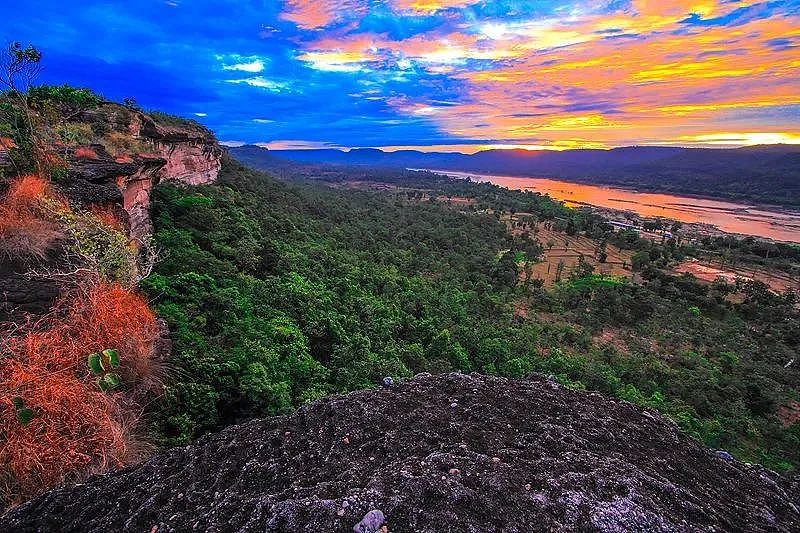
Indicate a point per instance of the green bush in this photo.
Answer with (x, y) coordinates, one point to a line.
(68, 98)
(73, 133)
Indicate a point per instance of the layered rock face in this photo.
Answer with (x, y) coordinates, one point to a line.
(21, 294)
(183, 154)
(146, 152)
(447, 453)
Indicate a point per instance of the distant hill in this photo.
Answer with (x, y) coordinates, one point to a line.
(769, 173)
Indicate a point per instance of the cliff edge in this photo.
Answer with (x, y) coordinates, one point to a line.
(109, 157)
(436, 453)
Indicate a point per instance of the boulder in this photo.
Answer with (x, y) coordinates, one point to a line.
(516, 456)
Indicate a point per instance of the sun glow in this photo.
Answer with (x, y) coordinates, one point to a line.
(743, 139)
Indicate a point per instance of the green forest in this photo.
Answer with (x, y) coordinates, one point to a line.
(278, 292)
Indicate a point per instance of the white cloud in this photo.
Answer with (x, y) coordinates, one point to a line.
(251, 66)
(263, 120)
(241, 63)
(337, 67)
(262, 82)
(201, 114)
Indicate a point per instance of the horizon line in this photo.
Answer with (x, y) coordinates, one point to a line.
(471, 149)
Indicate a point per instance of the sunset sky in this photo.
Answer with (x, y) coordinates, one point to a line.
(438, 74)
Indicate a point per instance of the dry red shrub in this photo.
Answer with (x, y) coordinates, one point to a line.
(85, 152)
(106, 215)
(24, 230)
(26, 191)
(74, 428)
(7, 143)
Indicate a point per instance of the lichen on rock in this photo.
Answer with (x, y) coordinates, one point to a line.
(566, 460)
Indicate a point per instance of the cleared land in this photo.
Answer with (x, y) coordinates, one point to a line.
(567, 251)
(707, 271)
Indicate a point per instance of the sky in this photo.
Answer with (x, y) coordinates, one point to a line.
(456, 75)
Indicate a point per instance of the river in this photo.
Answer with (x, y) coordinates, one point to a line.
(748, 219)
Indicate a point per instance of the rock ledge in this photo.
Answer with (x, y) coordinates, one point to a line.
(435, 453)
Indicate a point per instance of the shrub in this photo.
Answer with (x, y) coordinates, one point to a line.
(73, 133)
(85, 152)
(25, 192)
(17, 135)
(166, 119)
(32, 218)
(54, 166)
(68, 98)
(25, 231)
(58, 425)
(106, 215)
(98, 243)
(118, 143)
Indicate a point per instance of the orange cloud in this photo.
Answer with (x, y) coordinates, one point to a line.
(636, 86)
(313, 14)
(638, 73)
(673, 8)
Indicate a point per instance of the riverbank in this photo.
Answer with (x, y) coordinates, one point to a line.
(700, 216)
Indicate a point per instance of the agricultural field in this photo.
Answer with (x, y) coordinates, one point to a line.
(708, 271)
(562, 253)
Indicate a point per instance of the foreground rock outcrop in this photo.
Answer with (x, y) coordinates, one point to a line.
(446, 453)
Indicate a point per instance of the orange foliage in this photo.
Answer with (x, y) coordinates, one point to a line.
(76, 429)
(106, 216)
(24, 192)
(85, 152)
(23, 229)
(52, 160)
(7, 143)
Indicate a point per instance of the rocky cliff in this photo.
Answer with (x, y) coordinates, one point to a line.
(446, 453)
(146, 151)
(119, 155)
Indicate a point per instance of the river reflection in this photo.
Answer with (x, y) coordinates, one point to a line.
(748, 219)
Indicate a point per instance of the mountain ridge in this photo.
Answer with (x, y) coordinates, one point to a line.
(765, 173)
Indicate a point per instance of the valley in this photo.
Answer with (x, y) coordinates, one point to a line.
(703, 215)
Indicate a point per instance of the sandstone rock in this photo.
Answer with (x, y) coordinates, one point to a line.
(5, 160)
(187, 155)
(576, 462)
(190, 163)
(22, 294)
